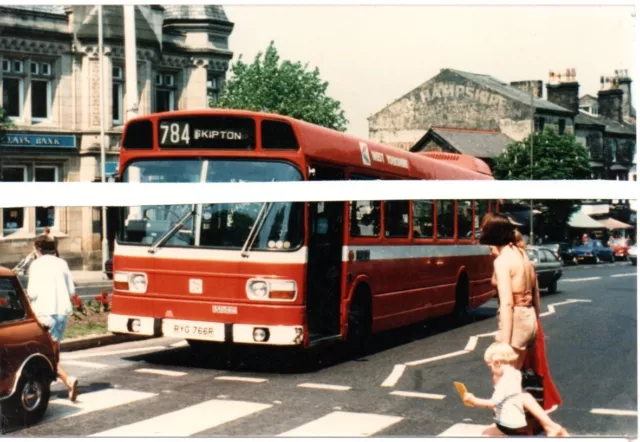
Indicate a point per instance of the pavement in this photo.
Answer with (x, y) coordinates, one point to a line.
(89, 277)
(400, 386)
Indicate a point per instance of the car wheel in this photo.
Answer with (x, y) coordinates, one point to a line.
(596, 259)
(613, 258)
(575, 261)
(29, 402)
(553, 287)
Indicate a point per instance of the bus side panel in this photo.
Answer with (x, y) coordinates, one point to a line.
(410, 290)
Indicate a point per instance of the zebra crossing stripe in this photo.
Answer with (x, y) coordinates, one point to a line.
(187, 421)
(90, 402)
(463, 430)
(343, 424)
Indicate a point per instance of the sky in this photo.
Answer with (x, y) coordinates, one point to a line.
(372, 55)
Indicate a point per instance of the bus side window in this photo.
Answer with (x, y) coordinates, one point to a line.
(396, 219)
(423, 219)
(365, 219)
(446, 219)
(482, 208)
(465, 218)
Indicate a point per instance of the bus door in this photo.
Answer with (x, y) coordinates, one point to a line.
(324, 269)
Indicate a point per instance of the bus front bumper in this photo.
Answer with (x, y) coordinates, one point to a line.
(290, 335)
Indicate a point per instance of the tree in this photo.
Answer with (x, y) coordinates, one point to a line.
(555, 157)
(285, 88)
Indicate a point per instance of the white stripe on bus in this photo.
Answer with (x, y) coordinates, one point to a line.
(376, 253)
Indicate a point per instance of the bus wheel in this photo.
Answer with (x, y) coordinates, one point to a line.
(461, 309)
(360, 319)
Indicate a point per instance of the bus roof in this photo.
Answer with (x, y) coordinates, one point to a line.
(334, 147)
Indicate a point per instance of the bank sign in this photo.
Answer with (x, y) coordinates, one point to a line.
(39, 140)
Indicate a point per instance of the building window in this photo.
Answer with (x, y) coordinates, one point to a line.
(213, 88)
(40, 90)
(16, 219)
(165, 92)
(539, 124)
(13, 88)
(117, 92)
(45, 216)
(561, 126)
(13, 218)
(614, 151)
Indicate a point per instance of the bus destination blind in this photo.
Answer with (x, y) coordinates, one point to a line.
(207, 133)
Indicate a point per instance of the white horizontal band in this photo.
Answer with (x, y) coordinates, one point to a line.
(135, 194)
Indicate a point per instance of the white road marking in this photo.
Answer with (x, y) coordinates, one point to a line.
(69, 357)
(462, 430)
(550, 311)
(161, 372)
(622, 275)
(614, 412)
(179, 344)
(89, 402)
(188, 421)
(342, 424)
(418, 394)
(437, 358)
(395, 375)
(240, 379)
(471, 345)
(325, 386)
(593, 278)
(84, 364)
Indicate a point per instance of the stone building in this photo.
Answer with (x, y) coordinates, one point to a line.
(49, 87)
(463, 112)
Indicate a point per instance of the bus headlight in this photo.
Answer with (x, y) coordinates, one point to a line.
(272, 289)
(130, 282)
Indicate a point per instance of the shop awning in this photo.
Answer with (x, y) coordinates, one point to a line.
(581, 220)
(614, 224)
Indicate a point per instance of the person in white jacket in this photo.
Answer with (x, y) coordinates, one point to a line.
(50, 289)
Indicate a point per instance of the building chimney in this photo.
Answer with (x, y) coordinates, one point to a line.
(610, 103)
(624, 84)
(565, 93)
(528, 86)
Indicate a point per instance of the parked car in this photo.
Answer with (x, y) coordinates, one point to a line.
(594, 251)
(548, 267)
(633, 254)
(28, 357)
(620, 247)
(564, 251)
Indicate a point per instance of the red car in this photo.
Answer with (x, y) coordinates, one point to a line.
(28, 357)
(620, 247)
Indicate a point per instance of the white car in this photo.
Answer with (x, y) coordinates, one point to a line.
(633, 254)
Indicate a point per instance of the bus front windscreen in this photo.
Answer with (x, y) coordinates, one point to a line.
(276, 226)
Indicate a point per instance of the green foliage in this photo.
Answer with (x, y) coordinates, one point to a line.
(555, 157)
(285, 88)
(5, 123)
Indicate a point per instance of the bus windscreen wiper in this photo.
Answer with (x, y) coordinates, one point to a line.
(177, 226)
(255, 228)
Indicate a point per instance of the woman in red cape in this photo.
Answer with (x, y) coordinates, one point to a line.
(536, 360)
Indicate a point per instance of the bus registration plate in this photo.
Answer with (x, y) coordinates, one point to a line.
(191, 329)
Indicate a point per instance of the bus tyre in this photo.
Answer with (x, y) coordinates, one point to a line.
(461, 309)
(359, 330)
